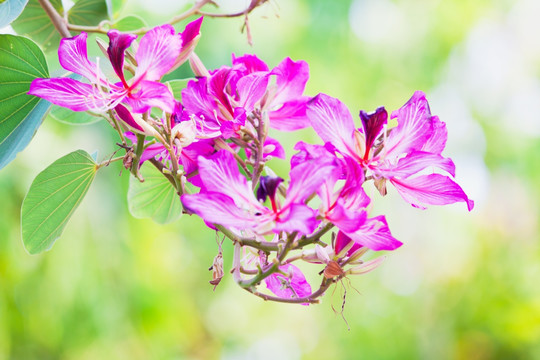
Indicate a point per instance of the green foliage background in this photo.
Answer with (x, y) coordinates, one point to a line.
(464, 285)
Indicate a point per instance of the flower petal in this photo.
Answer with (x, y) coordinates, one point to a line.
(292, 286)
(250, 89)
(251, 63)
(437, 141)
(291, 79)
(220, 173)
(157, 53)
(415, 162)
(375, 235)
(70, 93)
(118, 43)
(73, 56)
(306, 178)
(433, 189)
(298, 217)
(373, 124)
(414, 126)
(218, 208)
(152, 94)
(190, 37)
(290, 116)
(333, 122)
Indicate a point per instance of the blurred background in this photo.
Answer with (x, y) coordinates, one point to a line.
(463, 285)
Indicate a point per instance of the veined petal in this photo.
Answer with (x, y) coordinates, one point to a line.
(218, 208)
(291, 79)
(118, 43)
(290, 116)
(220, 173)
(70, 93)
(294, 285)
(73, 56)
(433, 189)
(271, 147)
(197, 102)
(333, 122)
(342, 240)
(437, 141)
(415, 162)
(347, 219)
(414, 126)
(308, 152)
(250, 89)
(152, 94)
(250, 62)
(297, 217)
(157, 53)
(306, 178)
(373, 124)
(375, 235)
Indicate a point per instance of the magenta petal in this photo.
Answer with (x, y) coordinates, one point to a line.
(333, 122)
(306, 178)
(297, 217)
(73, 56)
(342, 240)
(220, 173)
(375, 235)
(157, 53)
(124, 115)
(290, 116)
(308, 152)
(251, 89)
(272, 147)
(291, 79)
(217, 208)
(292, 286)
(251, 63)
(433, 189)
(70, 93)
(414, 126)
(118, 43)
(415, 162)
(152, 94)
(191, 31)
(437, 141)
(345, 218)
(373, 124)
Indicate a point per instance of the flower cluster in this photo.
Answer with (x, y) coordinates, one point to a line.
(216, 139)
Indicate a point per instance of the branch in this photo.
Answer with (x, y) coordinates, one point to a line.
(57, 20)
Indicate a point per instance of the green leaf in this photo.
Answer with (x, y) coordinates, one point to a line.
(10, 10)
(154, 198)
(177, 86)
(53, 197)
(71, 117)
(36, 24)
(21, 61)
(129, 23)
(115, 6)
(88, 12)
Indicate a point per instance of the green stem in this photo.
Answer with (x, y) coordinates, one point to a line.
(139, 147)
(267, 247)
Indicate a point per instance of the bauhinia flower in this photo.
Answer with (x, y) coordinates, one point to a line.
(401, 157)
(159, 51)
(344, 201)
(227, 199)
(222, 101)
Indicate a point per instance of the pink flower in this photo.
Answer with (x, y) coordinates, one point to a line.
(402, 157)
(227, 199)
(222, 101)
(159, 51)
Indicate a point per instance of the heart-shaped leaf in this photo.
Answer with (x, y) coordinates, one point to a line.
(10, 10)
(154, 198)
(21, 61)
(36, 24)
(129, 23)
(53, 197)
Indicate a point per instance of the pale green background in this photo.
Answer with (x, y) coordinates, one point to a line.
(464, 285)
